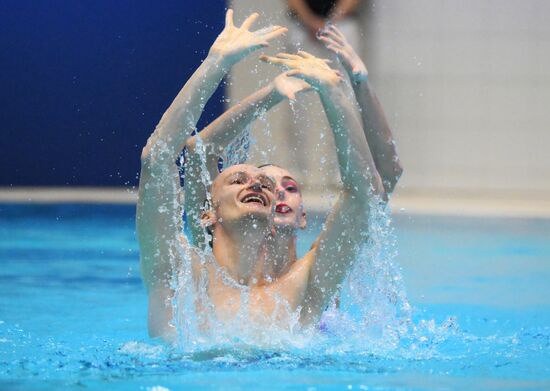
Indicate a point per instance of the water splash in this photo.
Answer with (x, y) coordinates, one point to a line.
(374, 309)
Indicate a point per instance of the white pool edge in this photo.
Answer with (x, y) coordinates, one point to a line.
(403, 203)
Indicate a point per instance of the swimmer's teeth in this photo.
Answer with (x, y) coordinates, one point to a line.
(253, 198)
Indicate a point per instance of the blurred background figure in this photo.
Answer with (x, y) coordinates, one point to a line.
(308, 132)
(310, 149)
(310, 16)
(465, 86)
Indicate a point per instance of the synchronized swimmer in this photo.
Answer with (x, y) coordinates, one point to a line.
(252, 214)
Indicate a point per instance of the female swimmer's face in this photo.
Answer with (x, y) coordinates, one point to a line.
(289, 210)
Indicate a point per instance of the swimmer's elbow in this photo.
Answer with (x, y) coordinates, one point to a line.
(146, 154)
(157, 153)
(398, 170)
(393, 178)
(191, 144)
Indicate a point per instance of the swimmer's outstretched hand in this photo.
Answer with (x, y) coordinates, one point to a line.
(336, 42)
(288, 87)
(307, 67)
(234, 43)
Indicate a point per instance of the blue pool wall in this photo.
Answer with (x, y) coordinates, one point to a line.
(83, 84)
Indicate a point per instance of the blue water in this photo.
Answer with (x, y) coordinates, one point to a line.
(73, 312)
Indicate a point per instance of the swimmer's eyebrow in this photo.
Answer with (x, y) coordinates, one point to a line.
(237, 174)
(290, 178)
(263, 177)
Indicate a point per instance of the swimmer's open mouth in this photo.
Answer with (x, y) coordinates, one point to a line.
(255, 198)
(283, 208)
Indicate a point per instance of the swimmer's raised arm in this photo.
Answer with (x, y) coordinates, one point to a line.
(337, 246)
(158, 208)
(375, 125)
(233, 44)
(218, 134)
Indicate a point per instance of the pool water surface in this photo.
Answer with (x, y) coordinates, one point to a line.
(73, 312)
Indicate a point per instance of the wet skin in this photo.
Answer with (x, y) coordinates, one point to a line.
(241, 191)
(289, 209)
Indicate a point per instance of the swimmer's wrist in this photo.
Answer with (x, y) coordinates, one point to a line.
(273, 94)
(329, 84)
(218, 60)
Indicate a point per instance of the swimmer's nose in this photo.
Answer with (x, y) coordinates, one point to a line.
(280, 194)
(256, 186)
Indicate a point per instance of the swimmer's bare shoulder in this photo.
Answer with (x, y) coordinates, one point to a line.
(278, 300)
(291, 287)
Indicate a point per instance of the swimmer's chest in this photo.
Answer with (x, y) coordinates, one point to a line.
(281, 296)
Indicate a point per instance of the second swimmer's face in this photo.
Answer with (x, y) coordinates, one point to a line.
(289, 209)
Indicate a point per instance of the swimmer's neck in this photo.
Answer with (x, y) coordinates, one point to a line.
(255, 256)
(280, 253)
(240, 251)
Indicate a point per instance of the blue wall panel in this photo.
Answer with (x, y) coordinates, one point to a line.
(83, 83)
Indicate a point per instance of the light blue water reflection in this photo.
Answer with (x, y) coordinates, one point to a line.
(73, 310)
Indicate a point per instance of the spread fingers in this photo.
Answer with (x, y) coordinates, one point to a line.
(305, 54)
(328, 41)
(275, 33)
(229, 18)
(288, 56)
(273, 60)
(248, 22)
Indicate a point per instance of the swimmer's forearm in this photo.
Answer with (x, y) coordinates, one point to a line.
(182, 115)
(357, 168)
(379, 135)
(158, 204)
(230, 124)
(233, 44)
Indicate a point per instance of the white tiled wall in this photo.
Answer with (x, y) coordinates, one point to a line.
(465, 85)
